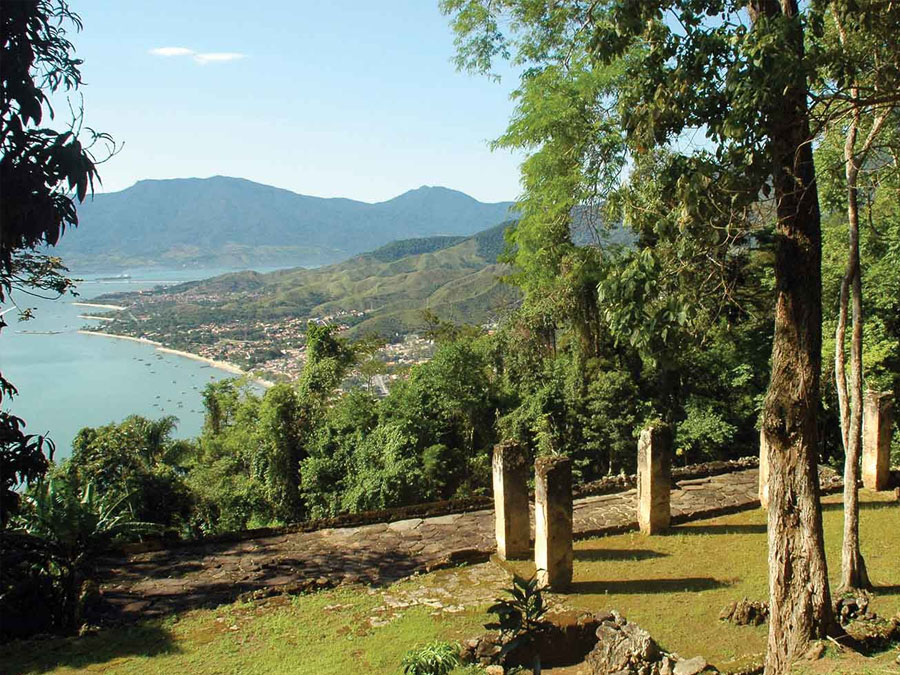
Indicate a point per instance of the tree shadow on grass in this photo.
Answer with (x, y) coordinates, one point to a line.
(44, 654)
(141, 589)
(647, 586)
(749, 528)
(863, 506)
(887, 590)
(603, 555)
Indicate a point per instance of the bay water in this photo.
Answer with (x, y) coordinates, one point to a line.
(68, 380)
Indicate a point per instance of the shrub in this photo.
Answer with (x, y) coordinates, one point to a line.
(436, 658)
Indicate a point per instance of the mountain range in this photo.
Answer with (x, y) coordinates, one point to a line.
(232, 222)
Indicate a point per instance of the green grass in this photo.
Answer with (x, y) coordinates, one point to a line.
(674, 586)
(323, 633)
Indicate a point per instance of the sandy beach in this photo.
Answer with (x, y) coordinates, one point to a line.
(96, 306)
(221, 365)
(121, 337)
(95, 318)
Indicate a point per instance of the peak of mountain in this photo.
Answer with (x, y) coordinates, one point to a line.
(227, 221)
(432, 192)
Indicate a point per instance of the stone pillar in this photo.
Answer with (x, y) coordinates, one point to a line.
(878, 424)
(654, 479)
(553, 521)
(763, 470)
(512, 526)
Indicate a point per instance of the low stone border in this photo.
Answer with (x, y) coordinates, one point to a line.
(604, 486)
(621, 483)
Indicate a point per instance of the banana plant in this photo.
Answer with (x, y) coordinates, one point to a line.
(75, 525)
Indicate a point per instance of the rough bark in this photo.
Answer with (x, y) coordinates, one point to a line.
(800, 600)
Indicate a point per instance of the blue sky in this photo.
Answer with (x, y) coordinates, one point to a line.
(348, 98)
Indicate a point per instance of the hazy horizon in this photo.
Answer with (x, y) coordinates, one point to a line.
(333, 100)
(307, 194)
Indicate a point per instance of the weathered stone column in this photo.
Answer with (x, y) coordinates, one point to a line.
(878, 422)
(512, 527)
(553, 521)
(763, 470)
(654, 479)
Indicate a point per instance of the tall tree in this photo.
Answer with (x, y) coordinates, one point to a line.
(736, 72)
(39, 170)
(859, 84)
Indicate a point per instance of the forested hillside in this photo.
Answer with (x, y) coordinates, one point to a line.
(384, 292)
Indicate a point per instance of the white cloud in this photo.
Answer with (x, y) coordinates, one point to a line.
(172, 51)
(217, 57)
(201, 58)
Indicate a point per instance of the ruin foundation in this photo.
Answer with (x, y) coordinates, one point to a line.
(654, 479)
(512, 528)
(878, 421)
(553, 521)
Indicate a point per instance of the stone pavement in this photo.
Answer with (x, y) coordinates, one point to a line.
(208, 574)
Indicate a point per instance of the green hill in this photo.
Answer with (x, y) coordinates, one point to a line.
(383, 291)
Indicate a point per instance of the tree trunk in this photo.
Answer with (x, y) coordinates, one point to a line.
(800, 600)
(853, 566)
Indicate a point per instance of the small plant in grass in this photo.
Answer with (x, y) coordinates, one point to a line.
(519, 618)
(436, 658)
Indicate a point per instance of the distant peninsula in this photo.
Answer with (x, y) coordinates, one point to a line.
(258, 321)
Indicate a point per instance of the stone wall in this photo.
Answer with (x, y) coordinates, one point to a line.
(609, 485)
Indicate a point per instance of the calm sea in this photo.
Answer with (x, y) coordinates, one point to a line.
(67, 380)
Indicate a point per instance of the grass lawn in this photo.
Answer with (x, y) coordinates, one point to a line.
(673, 585)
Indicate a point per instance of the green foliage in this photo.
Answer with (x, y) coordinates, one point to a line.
(608, 417)
(80, 520)
(540, 420)
(435, 658)
(398, 250)
(22, 459)
(246, 468)
(51, 549)
(880, 264)
(42, 174)
(136, 460)
(326, 471)
(703, 431)
(429, 439)
(222, 470)
(645, 290)
(36, 161)
(519, 617)
(281, 449)
(382, 472)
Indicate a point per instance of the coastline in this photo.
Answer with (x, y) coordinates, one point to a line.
(96, 306)
(120, 337)
(221, 365)
(91, 317)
